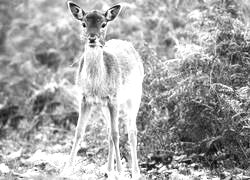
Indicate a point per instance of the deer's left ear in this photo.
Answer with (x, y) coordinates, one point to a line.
(113, 12)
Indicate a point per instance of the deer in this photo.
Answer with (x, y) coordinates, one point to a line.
(109, 76)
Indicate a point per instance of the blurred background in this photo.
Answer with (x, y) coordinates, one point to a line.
(194, 119)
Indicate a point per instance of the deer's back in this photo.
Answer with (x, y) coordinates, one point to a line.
(129, 64)
(127, 58)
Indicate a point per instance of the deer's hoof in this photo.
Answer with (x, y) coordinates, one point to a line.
(111, 175)
(67, 171)
(114, 175)
(138, 177)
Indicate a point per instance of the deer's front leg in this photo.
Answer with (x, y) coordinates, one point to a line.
(106, 114)
(84, 112)
(113, 108)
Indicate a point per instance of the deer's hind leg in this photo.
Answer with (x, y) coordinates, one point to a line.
(132, 110)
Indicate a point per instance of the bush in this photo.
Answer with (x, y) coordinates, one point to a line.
(198, 100)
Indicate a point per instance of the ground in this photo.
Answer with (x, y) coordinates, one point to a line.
(42, 154)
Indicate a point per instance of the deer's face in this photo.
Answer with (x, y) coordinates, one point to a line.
(94, 23)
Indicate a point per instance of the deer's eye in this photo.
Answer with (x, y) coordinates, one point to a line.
(84, 25)
(104, 24)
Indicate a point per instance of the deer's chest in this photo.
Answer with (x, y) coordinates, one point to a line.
(93, 84)
(99, 77)
(96, 83)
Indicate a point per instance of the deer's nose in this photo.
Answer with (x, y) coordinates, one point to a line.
(92, 37)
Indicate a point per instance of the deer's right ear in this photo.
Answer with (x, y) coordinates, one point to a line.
(77, 12)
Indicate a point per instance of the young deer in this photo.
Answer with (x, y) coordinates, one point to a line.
(110, 76)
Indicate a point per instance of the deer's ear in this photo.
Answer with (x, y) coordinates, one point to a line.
(77, 12)
(113, 12)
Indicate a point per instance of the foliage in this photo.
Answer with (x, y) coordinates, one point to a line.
(205, 97)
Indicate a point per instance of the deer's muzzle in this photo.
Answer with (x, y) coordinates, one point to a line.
(93, 40)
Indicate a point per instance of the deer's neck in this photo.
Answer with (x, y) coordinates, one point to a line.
(94, 69)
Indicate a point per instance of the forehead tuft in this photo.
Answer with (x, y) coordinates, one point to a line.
(95, 16)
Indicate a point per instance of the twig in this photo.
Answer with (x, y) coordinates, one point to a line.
(212, 70)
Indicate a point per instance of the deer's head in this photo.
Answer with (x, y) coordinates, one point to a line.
(94, 22)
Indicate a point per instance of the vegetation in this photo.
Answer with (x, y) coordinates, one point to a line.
(194, 120)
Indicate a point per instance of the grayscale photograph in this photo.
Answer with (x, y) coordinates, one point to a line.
(125, 90)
